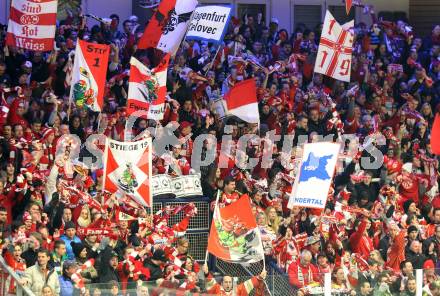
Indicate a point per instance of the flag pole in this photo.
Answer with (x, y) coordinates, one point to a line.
(213, 59)
(215, 208)
(264, 281)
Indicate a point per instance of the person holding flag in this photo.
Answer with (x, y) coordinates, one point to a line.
(227, 287)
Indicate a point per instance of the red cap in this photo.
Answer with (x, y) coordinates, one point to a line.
(428, 264)
(99, 173)
(185, 124)
(47, 132)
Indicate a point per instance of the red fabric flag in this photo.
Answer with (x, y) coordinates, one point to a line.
(147, 89)
(127, 168)
(435, 135)
(241, 101)
(168, 25)
(348, 4)
(234, 235)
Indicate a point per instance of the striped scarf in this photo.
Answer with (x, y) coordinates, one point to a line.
(301, 276)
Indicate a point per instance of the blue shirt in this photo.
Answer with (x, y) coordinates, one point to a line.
(66, 286)
(69, 250)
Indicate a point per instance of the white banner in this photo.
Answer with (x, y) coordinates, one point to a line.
(182, 186)
(335, 49)
(315, 176)
(209, 23)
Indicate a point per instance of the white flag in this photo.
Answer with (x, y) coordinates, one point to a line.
(335, 49)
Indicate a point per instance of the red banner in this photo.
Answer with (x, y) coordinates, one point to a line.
(89, 75)
(32, 24)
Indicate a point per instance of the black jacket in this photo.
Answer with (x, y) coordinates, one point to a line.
(106, 272)
(155, 271)
(417, 260)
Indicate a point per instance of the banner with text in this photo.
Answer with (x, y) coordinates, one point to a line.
(315, 176)
(32, 24)
(89, 75)
(147, 88)
(182, 186)
(127, 169)
(209, 23)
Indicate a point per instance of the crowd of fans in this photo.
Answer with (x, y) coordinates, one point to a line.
(61, 232)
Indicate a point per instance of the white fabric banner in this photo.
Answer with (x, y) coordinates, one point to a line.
(335, 49)
(315, 176)
(209, 23)
(181, 186)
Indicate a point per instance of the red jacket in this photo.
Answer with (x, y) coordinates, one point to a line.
(396, 252)
(242, 289)
(361, 243)
(301, 276)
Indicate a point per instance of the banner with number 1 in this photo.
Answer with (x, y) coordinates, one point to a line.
(335, 49)
(89, 74)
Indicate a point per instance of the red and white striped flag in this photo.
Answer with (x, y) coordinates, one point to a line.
(241, 101)
(335, 49)
(147, 88)
(168, 25)
(32, 24)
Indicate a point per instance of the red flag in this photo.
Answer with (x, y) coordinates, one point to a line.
(168, 25)
(89, 75)
(147, 88)
(348, 4)
(234, 235)
(241, 101)
(435, 135)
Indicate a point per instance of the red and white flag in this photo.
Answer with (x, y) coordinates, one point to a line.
(32, 24)
(241, 101)
(168, 25)
(235, 236)
(335, 49)
(127, 169)
(348, 4)
(147, 88)
(89, 75)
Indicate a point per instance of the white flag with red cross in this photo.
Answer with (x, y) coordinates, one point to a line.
(335, 49)
(128, 169)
